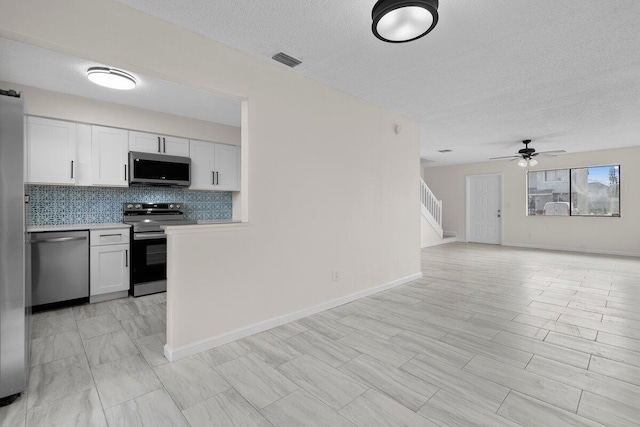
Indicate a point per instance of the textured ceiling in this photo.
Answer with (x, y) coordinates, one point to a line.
(493, 72)
(33, 66)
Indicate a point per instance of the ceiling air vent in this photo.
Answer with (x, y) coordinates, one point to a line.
(445, 151)
(285, 59)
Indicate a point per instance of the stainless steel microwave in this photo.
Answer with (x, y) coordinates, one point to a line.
(159, 169)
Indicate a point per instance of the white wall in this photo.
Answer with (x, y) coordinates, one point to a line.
(40, 102)
(327, 182)
(606, 235)
(428, 236)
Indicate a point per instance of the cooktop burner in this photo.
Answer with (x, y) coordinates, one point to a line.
(149, 217)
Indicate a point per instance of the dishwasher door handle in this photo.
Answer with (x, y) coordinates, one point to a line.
(59, 240)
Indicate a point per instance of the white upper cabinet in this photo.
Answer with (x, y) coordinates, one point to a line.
(51, 151)
(109, 156)
(159, 144)
(215, 166)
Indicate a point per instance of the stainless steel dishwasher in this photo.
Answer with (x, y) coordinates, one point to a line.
(59, 266)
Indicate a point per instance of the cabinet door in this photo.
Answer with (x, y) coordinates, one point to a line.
(145, 142)
(109, 269)
(175, 146)
(202, 165)
(51, 151)
(227, 167)
(109, 156)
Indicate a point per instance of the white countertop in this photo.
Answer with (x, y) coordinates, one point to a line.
(73, 227)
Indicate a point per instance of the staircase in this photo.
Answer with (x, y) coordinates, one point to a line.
(431, 208)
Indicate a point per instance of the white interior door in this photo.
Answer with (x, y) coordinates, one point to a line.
(484, 209)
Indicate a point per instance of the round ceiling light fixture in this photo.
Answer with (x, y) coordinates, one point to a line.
(400, 21)
(111, 78)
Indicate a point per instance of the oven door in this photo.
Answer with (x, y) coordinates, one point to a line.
(149, 261)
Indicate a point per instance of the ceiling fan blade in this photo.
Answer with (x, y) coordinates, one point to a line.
(504, 157)
(551, 152)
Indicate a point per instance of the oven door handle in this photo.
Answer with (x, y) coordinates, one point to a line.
(148, 236)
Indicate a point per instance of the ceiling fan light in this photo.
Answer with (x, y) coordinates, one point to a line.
(111, 78)
(533, 162)
(400, 21)
(522, 163)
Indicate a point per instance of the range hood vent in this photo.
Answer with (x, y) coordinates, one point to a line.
(285, 59)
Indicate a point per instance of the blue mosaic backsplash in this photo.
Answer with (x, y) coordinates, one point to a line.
(52, 205)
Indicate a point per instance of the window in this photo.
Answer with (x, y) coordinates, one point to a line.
(591, 191)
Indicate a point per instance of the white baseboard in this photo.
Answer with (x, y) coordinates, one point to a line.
(173, 354)
(564, 249)
(443, 241)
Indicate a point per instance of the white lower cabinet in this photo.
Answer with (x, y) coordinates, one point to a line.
(110, 262)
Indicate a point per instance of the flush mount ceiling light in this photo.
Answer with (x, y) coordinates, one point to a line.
(111, 78)
(400, 21)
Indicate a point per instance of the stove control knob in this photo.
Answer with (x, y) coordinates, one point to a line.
(138, 206)
(129, 206)
(178, 206)
(171, 206)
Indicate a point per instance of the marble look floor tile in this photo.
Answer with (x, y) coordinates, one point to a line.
(78, 409)
(190, 381)
(109, 347)
(301, 409)
(534, 385)
(124, 379)
(255, 380)
(155, 409)
(14, 415)
(55, 347)
(586, 380)
(325, 323)
(463, 384)
(371, 326)
(92, 310)
(447, 409)
(407, 389)
(225, 353)
(100, 325)
(288, 330)
(528, 411)
(152, 349)
(374, 409)
(325, 383)
(431, 348)
(382, 350)
(227, 409)
(613, 369)
(52, 323)
(273, 350)
(608, 412)
(54, 380)
(322, 348)
(126, 308)
(142, 326)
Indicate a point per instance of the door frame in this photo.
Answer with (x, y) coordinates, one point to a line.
(468, 203)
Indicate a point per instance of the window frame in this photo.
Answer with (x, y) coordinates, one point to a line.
(570, 180)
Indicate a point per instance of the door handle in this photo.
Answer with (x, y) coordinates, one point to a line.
(125, 172)
(164, 145)
(71, 169)
(126, 257)
(58, 240)
(217, 178)
(158, 144)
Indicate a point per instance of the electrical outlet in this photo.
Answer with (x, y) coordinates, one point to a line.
(335, 275)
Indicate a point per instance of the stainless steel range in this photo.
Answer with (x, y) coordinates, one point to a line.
(149, 243)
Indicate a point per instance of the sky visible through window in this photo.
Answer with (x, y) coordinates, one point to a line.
(600, 174)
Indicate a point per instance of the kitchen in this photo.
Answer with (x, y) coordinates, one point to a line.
(97, 200)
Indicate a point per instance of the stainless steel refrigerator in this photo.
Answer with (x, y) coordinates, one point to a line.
(15, 310)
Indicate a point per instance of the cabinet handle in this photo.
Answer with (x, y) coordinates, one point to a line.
(164, 145)
(158, 144)
(125, 172)
(217, 178)
(71, 169)
(213, 178)
(126, 257)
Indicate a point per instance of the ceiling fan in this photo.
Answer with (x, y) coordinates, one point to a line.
(526, 155)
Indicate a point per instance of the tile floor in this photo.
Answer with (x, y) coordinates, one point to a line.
(489, 336)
